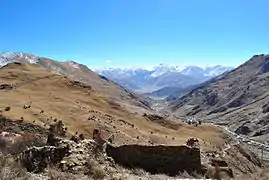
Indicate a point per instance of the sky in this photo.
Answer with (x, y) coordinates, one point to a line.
(142, 33)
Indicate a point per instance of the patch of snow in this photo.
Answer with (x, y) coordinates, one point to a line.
(162, 69)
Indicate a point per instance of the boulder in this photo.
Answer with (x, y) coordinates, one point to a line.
(6, 86)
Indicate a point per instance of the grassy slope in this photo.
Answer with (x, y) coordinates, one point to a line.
(58, 99)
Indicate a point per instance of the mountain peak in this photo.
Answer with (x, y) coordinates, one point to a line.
(9, 57)
(160, 76)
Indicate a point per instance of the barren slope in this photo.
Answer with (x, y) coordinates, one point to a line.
(239, 98)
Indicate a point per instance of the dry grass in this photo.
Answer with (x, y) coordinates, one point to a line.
(20, 144)
(53, 94)
(54, 174)
(95, 170)
(10, 169)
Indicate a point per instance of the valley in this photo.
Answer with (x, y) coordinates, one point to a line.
(44, 92)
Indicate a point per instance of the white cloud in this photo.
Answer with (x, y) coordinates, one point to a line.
(108, 61)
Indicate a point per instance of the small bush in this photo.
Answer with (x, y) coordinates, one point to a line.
(98, 173)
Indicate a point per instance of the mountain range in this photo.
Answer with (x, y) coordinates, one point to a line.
(162, 80)
(37, 91)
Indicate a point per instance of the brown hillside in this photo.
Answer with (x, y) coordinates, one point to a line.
(40, 96)
(238, 98)
(74, 103)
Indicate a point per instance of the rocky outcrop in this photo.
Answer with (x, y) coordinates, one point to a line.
(6, 87)
(245, 130)
(265, 66)
(211, 99)
(36, 159)
(157, 159)
(67, 155)
(262, 131)
(218, 110)
(153, 117)
(16, 126)
(265, 108)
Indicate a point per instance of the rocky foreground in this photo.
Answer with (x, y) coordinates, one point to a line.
(33, 152)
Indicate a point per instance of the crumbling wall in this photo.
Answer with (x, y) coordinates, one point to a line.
(157, 159)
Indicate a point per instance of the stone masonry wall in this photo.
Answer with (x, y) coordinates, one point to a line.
(157, 159)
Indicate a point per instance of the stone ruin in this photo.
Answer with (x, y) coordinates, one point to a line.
(73, 156)
(157, 159)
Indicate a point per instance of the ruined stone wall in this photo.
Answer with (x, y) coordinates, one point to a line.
(157, 159)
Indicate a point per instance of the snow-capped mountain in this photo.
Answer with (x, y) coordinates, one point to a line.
(161, 76)
(9, 57)
(216, 70)
(140, 80)
(163, 69)
(63, 68)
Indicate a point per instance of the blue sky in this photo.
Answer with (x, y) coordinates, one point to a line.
(137, 32)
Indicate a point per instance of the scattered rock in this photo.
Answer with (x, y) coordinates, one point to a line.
(153, 117)
(7, 108)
